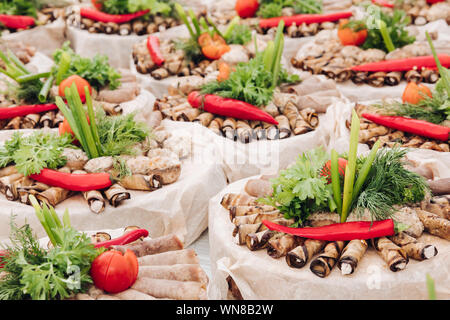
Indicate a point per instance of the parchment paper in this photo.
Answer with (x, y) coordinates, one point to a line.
(356, 92)
(46, 38)
(179, 208)
(339, 135)
(258, 276)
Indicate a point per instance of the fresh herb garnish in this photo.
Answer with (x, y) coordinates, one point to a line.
(96, 71)
(131, 6)
(32, 153)
(20, 7)
(274, 8)
(254, 82)
(299, 190)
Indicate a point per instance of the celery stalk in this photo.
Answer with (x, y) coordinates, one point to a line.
(195, 22)
(40, 216)
(31, 77)
(84, 125)
(276, 71)
(442, 71)
(365, 169)
(277, 42)
(385, 35)
(183, 17)
(216, 30)
(350, 170)
(335, 181)
(91, 114)
(230, 27)
(43, 94)
(17, 62)
(63, 67)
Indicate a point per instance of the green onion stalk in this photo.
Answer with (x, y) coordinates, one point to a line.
(350, 170)
(444, 73)
(335, 181)
(385, 35)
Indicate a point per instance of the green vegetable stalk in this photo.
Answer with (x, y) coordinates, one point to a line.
(63, 67)
(43, 94)
(444, 73)
(431, 288)
(350, 170)
(336, 181)
(364, 171)
(31, 77)
(385, 34)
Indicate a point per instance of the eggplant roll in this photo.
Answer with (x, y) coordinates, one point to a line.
(234, 199)
(352, 254)
(322, 265)
(260, 240)
(300, 255)
(116, 194)
(434, 224)
(413, 248)
(281, 246)
(258, 188)
(240, 232)
(238, 211)
(395, 257)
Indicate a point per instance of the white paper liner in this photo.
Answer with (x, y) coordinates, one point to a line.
(46, 38)
(179, 208)
(360, 92)
(439, 162)
(260, 277)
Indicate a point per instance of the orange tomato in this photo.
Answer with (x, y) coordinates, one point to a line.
(326, 170)
(80, 84)
(213, 52)
(224, 71)
(113, 272)
(246, 8)
(414, 93)
(204, 39)
(349, 37)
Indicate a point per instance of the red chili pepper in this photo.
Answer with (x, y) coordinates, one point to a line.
(72, 181)
(106, 17)
(3, 253)
(346, 231)
(434, 1)
(154, 50)
(414, 126)
(124, 239)
(229, 107)
(19, 111)
(404, 64)
(383, 3)
(16, 22)
(304, 18)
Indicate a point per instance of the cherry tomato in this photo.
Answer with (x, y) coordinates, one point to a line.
(414, 93)
(350, 37)
(113, 272)
(246, 8)
(79, 82)
(326, 170)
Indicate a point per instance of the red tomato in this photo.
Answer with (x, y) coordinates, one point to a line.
(414, 93)
(97, 4)
(349, 37)
(79, 82)
(246, 8)
(3, 253)
(326, 170)
(113, 272)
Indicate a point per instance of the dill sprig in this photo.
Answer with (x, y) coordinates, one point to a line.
(389, 183)
(435, 109)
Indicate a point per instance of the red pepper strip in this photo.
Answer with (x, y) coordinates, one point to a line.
(414, 126)
(304, 18)
(229, 107)
(19, 111)
(3, 253)
(153, 49)
(124, 239)
(383, 3)
(434, 1)
(72, 181)
(106, 17)
(404, 64)
(16, 22)
(346, 231)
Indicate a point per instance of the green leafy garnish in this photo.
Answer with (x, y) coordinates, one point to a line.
(131, 6)
(273, 8)
(20, 7)
(96, 71)
(34, 152)
(299, 190)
